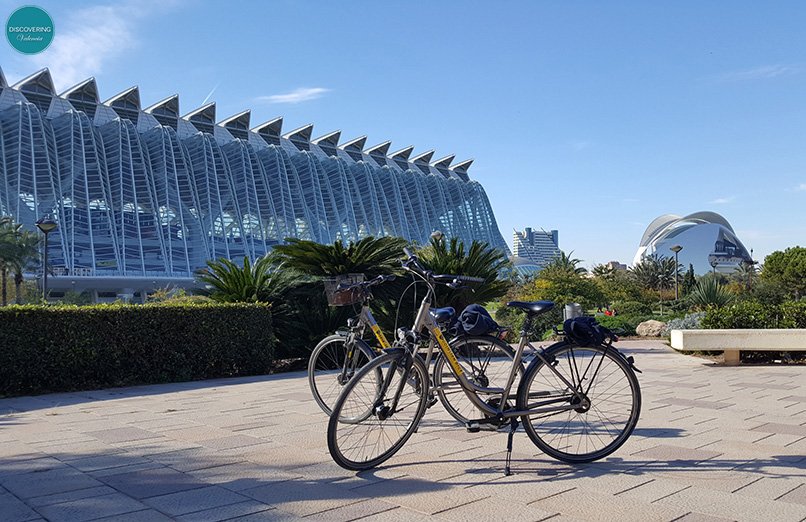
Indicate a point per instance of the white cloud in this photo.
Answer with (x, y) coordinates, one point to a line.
(87, 40)
(722, 201)
(801, 187)
(299, 95)
(764, 72)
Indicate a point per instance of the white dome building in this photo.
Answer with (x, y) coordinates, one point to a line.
(708, 240)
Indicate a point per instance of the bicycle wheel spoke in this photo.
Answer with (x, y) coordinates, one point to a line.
(603, 411)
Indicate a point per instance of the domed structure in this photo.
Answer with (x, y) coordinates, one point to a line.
(708, 242)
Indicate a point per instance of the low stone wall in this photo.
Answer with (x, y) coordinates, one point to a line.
(733, 341)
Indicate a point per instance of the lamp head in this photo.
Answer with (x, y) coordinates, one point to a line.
(676, 248)
(46, 224)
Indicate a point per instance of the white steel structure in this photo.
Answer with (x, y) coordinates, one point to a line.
(149, 193)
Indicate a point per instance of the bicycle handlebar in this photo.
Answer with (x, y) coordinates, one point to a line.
(366, 284)
(447, 279)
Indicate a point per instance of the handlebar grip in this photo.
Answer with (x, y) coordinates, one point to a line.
(389, 277)
(471, 279)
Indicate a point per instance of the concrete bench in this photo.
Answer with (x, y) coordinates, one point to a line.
(731, 342)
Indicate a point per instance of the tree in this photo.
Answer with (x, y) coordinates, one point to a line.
(26, 251)
(689, 280)
(603, 271)
(565, 263)
(9, 252)
(369, 256)
(787, 269)
(480, 260)
(709, 293)
(657, 273)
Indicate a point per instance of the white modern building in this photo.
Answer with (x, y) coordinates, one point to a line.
(708, 242)
(538, 247)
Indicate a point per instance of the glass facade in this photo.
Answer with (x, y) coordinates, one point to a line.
(147, 192)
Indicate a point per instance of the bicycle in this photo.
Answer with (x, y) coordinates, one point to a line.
(570, 396)
(338, 357)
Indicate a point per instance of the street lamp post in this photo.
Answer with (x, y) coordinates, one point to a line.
(47, 225)
(676, 249)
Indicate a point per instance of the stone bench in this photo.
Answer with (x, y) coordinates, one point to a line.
(731, 342)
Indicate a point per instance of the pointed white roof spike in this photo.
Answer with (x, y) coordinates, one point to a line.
(85, 91)
(126, 104)
(83, 96)
(301, 138)
(300, 134)
(356, 145)
(166, 111)
(38, 89)
(202, 118)
(462, 166)
(39, 82)
(443, 163)
(238, 125)
(382, 149)
(402, 154)
(128, 99)
(3, 82)
(425, 157)
(331, 139)
(270, 131)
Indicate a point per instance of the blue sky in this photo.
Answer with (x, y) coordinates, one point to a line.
(589, 117)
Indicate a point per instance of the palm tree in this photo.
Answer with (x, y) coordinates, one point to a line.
(709, 292)
(565, 263)
(603, 271)
(480, 260)
(26, 252)
(9, 236)
(369, 256)
(657, 273)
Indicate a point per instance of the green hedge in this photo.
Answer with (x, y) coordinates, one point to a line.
(752, 314)
(63, 348)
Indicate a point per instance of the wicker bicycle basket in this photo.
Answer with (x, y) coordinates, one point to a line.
(343, 297)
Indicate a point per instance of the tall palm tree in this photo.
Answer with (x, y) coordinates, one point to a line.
(565, 263)
(26, 253)
(9, 235)
(480, 260)
(369, 256)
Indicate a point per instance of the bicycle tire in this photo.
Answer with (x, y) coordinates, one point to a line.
(328, 357)
(477, 369)
(346, 431)
(561, 435)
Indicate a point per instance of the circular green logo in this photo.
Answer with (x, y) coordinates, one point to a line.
(29, 29)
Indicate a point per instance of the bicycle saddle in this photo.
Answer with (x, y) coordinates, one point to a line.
(532, 307)
(443, 315)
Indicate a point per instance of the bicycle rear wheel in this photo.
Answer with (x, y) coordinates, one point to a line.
(370, 423)
(332, 365)
(586, 433)
(486, 362)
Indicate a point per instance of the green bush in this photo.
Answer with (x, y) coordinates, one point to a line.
(622, 324)
(63, 348)
(632, 308)
(753, 314)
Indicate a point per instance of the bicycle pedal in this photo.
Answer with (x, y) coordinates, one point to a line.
(472, 427)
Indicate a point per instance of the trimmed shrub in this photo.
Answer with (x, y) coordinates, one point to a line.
(64, 348)
(746, 314)
(622, 324)
(689, 322)
(632, 308)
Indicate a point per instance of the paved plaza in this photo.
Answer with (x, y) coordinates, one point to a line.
(713, 443)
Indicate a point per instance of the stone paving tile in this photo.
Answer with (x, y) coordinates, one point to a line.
(145, 515)
(152, 482)
(200, 499)
(12, 508)
(49, 482)
(225, 512)
(122, 434)
(232, 441)
(496, 509)
(359, 510)
(70, 496)
(733, 505)
(303, 498)
(421, 495)
(91, 508)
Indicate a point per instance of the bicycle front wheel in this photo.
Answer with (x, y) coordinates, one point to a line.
(332, 364)
(370, 423)
(591, 431)
(486, 361)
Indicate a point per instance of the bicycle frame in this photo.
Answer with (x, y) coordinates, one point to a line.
(424, 320)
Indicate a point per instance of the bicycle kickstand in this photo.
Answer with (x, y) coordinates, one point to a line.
(513, 427)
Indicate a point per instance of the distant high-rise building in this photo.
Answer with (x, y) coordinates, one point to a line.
(539, 247)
